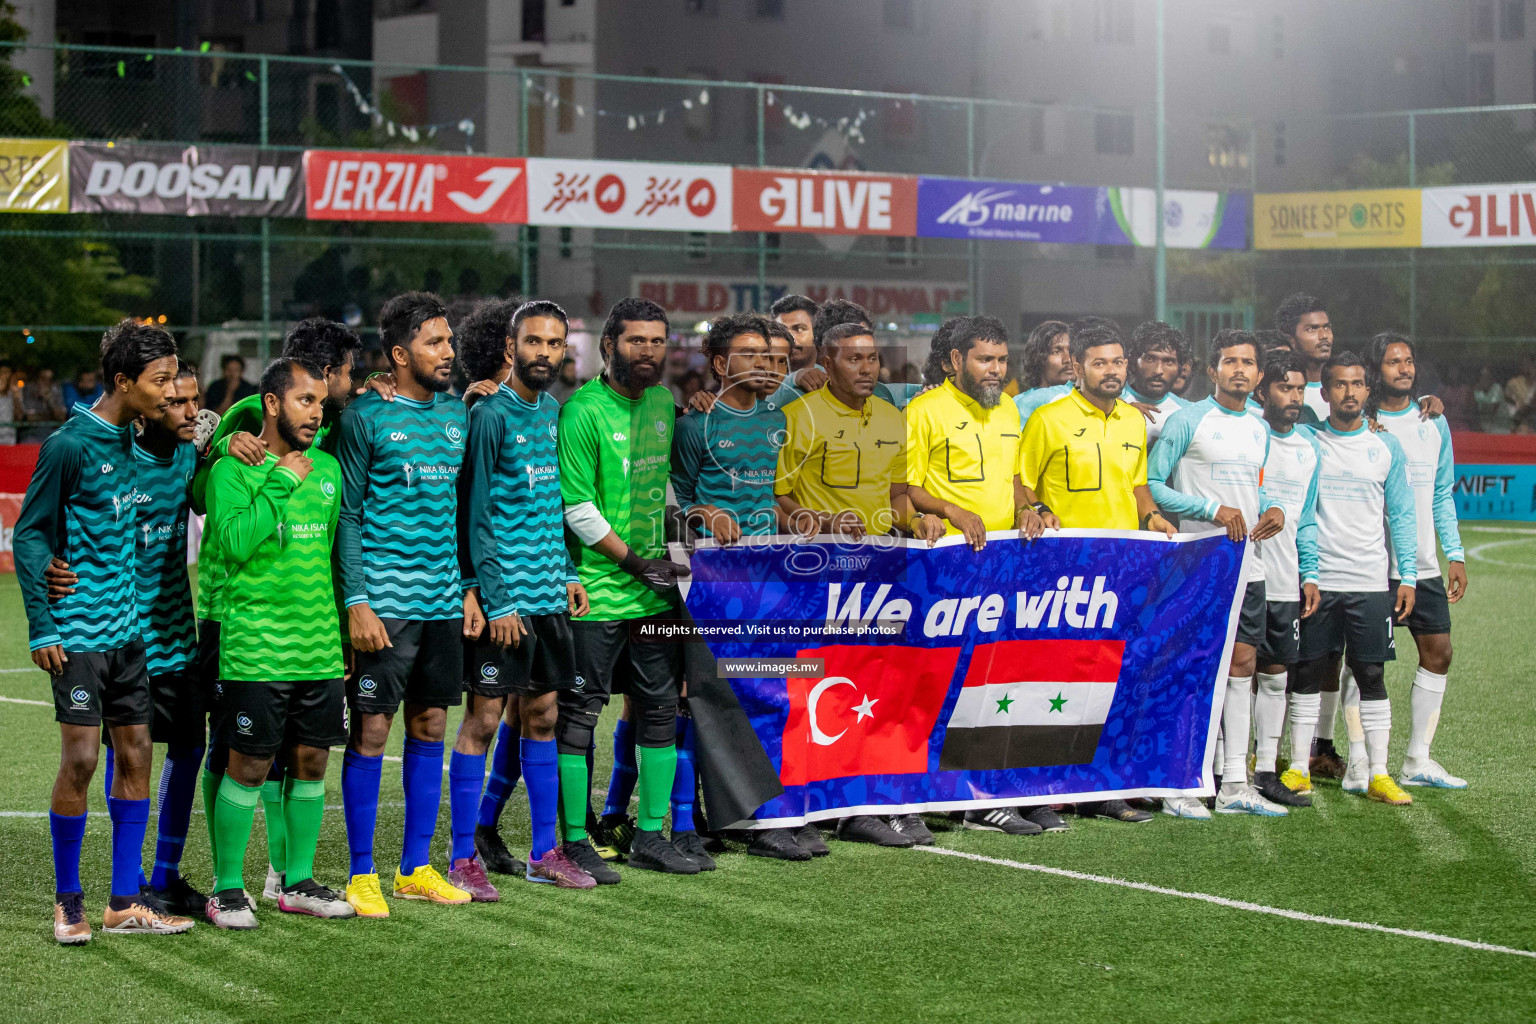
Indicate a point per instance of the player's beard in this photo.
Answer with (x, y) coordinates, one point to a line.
(429, 381)
(289, 432)
(987, 395)
(634, 376)
(535, 374)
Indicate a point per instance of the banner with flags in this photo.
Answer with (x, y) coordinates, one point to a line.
(886, 676)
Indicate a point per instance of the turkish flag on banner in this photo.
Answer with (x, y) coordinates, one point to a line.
(870, 713)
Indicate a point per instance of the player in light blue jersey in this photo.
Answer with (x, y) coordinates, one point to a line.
(1208, 468)
(1153, 357)
(1046, 375)
(1290, 576)
(1432, 475)
(1362, 494)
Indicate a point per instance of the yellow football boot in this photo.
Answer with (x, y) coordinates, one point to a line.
(366, 898)
(426, 884)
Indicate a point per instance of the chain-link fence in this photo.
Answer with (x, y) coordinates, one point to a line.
(70, 274)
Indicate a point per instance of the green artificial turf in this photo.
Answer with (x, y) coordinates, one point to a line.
(878, 935)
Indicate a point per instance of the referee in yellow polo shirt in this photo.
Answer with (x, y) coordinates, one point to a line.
(963, 442)
(842, 468)
(1085, 457)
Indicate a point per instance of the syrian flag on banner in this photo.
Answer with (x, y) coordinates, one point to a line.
(1032, 703)
(870, 713)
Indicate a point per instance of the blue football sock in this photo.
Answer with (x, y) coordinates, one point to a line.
(541, 771)
(621, 785)
(421, 772)
(108, 772)
(683, 780)
(68, 832)
(501, 777)
(466, 773)
(130, 820)
(360, 807)
(178, 787)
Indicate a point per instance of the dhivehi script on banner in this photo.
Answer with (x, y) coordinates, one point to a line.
(1082, 665)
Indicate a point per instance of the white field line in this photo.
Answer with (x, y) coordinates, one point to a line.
(1221, 901)
(1497, 529)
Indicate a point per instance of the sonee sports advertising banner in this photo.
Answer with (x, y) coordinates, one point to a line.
(232, 181)
(1080, 666)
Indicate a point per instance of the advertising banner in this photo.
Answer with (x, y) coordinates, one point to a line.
(139, 177)
(34, 176)
(1495, 491)
(1367, 219)
(10, 511)
(824, 202)
(1191, 220)
(1006, 211)
(688, 294)
(394, 186)
(1479, 215)
(1080, 666)
(621, 194)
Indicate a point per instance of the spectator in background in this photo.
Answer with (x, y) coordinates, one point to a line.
(1494, 413)
(688, 385)
(83, 390)
(229, 389)
(1460, 409)
(8, 396)
(40, 401)
(1520, 392)
(566, 384)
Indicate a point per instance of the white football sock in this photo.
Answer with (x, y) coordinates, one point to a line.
(1303, 724)
(1235, 725)
(1357, 754)
(1424, 701)
(1253, 697)
(1218, 710)
(1268, 720)
(1376, 722)
(1327, 711)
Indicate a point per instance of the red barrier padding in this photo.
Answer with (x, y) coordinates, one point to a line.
(1486, 449)
(17, 461)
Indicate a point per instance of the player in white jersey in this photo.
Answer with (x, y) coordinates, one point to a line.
(1154, 356)
(1290, 576)
(1431, 474)
(1304, 321)
(1208, 468)
(1362, 492)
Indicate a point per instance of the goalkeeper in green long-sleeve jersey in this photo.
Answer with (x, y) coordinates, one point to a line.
(280, 660)
(315, 342)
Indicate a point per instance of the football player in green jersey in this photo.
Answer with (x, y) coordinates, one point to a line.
(280, 662)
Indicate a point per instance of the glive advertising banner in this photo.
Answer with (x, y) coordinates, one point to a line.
(34, 176)
(138, 177)
(1080, 666)
(1466, 215)
(1079, 214)
(393, 186)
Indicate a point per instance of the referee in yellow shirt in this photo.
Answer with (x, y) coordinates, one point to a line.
(1085, 457)
(842, 468)
(963, 442)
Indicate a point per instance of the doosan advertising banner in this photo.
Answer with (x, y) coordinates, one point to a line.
(229, 181)
(825, 202)
(394, 186)
(621, 194)
(1082, 665)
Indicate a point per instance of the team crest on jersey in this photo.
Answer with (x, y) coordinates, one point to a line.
(1373, 454)
(328, 489)
(243, 724)
(455, 435)
(367, 684)
(489, 672)
(553, 430)
(1423, 432)
(661, 428)
(581, 682)
(778, 438)
(80, 698)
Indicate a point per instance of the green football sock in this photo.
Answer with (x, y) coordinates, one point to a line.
(210, 801)
(277, 834)
(303, 807)
(573, 796)
(657, 766)
(232, 832)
